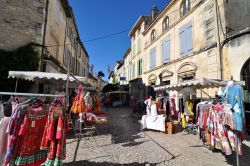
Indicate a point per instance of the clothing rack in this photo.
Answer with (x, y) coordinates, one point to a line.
(30, 94)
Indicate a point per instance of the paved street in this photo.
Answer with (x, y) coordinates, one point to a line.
(121, 142)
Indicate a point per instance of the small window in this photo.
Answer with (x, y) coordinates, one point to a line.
(138, 32)
(153, 35)
(185, 7)
(165, 24)
(167, 82)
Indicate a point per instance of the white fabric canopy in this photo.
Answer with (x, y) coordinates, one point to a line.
(44, 76)
(203, 83)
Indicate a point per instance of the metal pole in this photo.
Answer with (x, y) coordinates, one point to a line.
(16, 85)
(237, 153)
(64, 111)
(218, 57)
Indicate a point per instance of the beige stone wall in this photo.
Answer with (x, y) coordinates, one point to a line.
(203, 25)
(238, 52)
(55, 32)
(21, 22)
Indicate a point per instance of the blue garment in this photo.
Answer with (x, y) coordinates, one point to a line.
(235, 98)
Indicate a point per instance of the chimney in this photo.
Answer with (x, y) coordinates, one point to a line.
(155, 12)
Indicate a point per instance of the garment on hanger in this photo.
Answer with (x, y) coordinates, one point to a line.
(3, 137)
(215, 125)
(53, 134)
(30, 135)
(235, 98)
(1, 112)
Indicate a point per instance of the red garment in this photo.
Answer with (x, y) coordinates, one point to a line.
(31, 132)
(53, 134)
(27, 152)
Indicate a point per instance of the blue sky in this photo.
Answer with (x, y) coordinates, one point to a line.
(98, 18)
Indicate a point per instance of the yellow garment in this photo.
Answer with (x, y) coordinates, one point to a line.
(183, 121)
(189, 107)
(78, 105)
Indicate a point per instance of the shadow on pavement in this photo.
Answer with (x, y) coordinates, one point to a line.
(244, 159)
(90, 163)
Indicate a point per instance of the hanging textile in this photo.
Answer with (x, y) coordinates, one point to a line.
(170, 107)
(79, 102)
(235, 98)
(216, 127)
(30, 136)
(53, 134)
(3, 137)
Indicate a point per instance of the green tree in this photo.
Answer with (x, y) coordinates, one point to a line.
(101, 74)
(21, 59)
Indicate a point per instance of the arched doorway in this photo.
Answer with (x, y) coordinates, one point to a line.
(245, 76)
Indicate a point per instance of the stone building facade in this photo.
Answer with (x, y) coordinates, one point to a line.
(50, 24)
(180, 42)
(192, 40)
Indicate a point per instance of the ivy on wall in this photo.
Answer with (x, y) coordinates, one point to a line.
(24, 58)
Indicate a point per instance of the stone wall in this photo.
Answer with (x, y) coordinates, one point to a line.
(21, 22)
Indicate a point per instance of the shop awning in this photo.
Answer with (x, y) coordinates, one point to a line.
(45, 77)
(196, 84)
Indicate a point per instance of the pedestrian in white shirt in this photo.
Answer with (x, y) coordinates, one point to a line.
(148, 102)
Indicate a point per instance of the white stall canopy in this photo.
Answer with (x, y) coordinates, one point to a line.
(196, 84)
(45, 77)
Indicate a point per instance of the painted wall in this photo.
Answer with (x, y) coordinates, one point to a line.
(238, 52)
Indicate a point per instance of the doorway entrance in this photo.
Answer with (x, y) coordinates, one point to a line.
(245, 76)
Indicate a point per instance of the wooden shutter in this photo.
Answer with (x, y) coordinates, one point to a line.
(151, 60)
(166, 50)
(182, 41)
(189, 38)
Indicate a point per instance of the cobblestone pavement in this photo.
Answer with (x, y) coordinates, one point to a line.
(121, 142)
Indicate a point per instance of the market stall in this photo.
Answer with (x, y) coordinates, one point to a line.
(51, 80)
(220, 121)
(35, 121)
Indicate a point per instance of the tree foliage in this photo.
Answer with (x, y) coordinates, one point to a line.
(101, 74)
(24, 58)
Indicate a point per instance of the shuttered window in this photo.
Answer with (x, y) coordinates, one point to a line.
(152, 58)
(186, 39)
(166, 50)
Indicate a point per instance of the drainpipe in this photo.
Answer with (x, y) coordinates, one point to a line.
(65, 37)
(42, 68)
(218, 51)
(42, 65)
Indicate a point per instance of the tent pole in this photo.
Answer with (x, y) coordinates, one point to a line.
(64, 111)
(201, 93)
(16, 85)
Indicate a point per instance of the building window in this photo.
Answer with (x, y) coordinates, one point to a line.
(152, 58)
(138, 45)
(185, 7)
(186, 39)
(166, 50)
(165, 24)
(167, 82)
(153, 35)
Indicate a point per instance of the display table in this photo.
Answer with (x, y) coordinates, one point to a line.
(153, 122)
